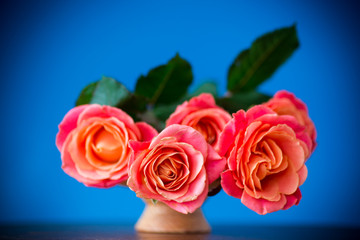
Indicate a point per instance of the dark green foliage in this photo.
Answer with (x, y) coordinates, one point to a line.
(253, 66)
(207, 87)
(166, 83)
(86, 94)
(242, 101)
(107, 91)
(157, 94)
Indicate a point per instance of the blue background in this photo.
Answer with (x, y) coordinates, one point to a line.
(50, 50)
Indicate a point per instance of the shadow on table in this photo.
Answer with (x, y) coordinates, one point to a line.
(126, 232)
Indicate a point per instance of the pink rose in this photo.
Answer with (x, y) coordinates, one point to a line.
(265, 153)
(286, 103)
(176, 168)
(204, 115)
(93, 141)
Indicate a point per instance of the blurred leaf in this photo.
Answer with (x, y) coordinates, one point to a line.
(163, 111)
(110, 92)
(86, 94)
(166, 83)
(242, 101)
(253, 66)
(150, 117)
(133, 106)
(207, 87)
(107, 91)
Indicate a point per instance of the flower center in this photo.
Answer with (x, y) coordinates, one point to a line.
(207, 130)
(106, 146)
(167, 171)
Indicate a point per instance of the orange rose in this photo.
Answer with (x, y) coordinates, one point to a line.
(266, 155)
(286, 103)
(202, 114)
(176, 168)
(93, 141)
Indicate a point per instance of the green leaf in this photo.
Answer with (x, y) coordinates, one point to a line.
(107, 91)
(154, 201)
(207, 87)
(163, 111)
(110, 92)
(133, 106)
(166, 83)
(86, 94)
(242, 101)
(253, 66)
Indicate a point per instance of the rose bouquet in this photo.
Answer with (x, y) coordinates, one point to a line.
(178, 148)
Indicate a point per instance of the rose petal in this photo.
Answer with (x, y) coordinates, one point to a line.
(227, 137)
(138, 149)
(191, 206)
(262, 206)
(183, 133)
(302, 175)
(288, 95)
(204, 100)
(285, 182)
(147, 131)
(69, 168)
(180, 113)
(171, 168)
(195, 158)
(204, 115)
(292, 199)
(104, 111)
(137, 184)
(285, 138)
(286, 103)
(196, 188)
(228, 183)
(258, 111)
(214, 164)
(68, 164)
(68, 123)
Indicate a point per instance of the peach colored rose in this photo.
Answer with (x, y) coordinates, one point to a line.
(204, 115)
(265, 153)
(286, 103)
(93, 141)
(176, 168)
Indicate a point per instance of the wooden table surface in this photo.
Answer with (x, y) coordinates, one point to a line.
(126, 232)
